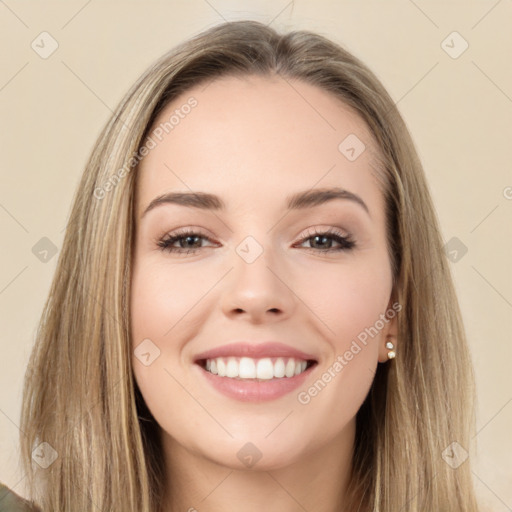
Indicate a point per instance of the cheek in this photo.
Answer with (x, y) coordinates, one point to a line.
(156, 306)
(161, 297)
(349, 304)
(168, 306)
(337, 303)
(347, 299)
(344, 299)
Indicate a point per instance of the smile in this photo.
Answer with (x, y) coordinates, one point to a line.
(247, 368)
(262, 380)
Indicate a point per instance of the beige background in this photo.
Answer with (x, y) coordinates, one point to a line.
(459, 111)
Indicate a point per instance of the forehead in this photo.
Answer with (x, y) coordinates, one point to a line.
(254, 140)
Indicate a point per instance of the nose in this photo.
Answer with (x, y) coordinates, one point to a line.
(259, 291)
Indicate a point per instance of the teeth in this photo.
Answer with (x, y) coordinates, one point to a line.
(221, 368)
(248, 368)
(278, 370)
(290, 368)
(301, 368)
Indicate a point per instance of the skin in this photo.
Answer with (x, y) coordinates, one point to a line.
(253, 141)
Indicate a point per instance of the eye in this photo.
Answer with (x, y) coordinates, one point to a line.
(321, 241)
(188, 241)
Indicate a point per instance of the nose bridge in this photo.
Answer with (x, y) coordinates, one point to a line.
(256, 287)
(252, 261)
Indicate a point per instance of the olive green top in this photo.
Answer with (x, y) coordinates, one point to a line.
(11, 502)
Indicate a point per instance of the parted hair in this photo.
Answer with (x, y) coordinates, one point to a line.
(80, 395)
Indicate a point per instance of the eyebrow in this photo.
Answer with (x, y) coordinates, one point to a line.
(297, 201)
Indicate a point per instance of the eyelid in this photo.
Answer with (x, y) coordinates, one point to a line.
(345, 241)
(193, 230)
(310, 231)
(314, 230)
(183, 232)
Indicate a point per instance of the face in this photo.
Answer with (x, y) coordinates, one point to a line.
(308, 282)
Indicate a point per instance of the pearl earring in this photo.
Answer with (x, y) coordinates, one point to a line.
(391, 348)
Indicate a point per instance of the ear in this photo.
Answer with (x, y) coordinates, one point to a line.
(389, 333)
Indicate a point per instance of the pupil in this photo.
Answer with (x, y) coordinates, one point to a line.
(190, 238)
(318, 237)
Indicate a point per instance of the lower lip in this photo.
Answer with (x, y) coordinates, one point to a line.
(255, 391)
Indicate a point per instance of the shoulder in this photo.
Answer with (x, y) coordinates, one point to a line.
(11, 502)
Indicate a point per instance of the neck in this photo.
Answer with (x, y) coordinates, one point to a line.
(316, 481)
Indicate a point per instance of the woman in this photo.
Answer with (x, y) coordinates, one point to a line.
(252, 306)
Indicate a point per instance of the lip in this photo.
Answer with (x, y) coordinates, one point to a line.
(255, 390)
(255, 351)
(249, 390)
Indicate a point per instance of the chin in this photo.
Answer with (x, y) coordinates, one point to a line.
(257, 454)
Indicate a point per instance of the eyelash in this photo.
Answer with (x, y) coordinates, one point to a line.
(346, 242)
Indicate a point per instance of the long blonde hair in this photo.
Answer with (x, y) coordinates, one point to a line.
(80, 396)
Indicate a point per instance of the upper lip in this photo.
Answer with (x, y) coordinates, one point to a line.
(255, 351)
